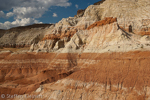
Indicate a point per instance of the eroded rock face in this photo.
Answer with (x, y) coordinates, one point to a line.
(20, 37)
(102, 36)
(103, 22)
(80, 13)
(130, 13)
(23, 73)
(107, 76)
(131, 24)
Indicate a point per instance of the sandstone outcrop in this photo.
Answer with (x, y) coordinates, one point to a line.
(80, 13)
(102, 36)
(131, 23)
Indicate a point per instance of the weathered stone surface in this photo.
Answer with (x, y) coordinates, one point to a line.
(59, 44)
(128, 12)
(102, 54)
(80, 13)
(102, 36)
(108, 20)
(107, 76)
(20, 37)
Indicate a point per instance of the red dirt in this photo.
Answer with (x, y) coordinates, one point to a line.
(107, 20)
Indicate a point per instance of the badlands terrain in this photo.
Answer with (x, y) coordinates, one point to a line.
(102, 53)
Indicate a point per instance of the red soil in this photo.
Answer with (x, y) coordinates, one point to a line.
(107, 20)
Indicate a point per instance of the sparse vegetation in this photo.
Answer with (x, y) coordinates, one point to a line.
(142, 46)
(147, 44)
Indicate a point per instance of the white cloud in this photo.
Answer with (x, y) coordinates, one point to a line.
(77, 6)
(28, 12)
(27, 9)
(55, 15)
(9, 4)
(18, 22)
(35, 8)
(10, 14)
(2, 14)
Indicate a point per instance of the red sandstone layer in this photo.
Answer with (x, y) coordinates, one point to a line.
(107, 20)
(26, 72)
(69, 32)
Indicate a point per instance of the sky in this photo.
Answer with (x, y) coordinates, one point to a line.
(15, 13)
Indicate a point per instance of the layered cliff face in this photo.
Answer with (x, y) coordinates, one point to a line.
(131, 29)
(102, 36)
(96, 76)
(131, 14)
(100, 54)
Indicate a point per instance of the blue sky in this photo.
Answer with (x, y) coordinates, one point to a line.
(26, 12)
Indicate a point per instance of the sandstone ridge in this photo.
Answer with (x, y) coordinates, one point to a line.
(22, 36)
(102, 36)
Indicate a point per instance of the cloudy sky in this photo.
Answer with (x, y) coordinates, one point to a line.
(25, 12)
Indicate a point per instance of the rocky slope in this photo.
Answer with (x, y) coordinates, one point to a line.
(23, 36)
(102, 36)
(100, 54)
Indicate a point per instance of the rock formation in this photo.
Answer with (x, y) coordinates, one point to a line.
(23, 36)
(100, 54)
